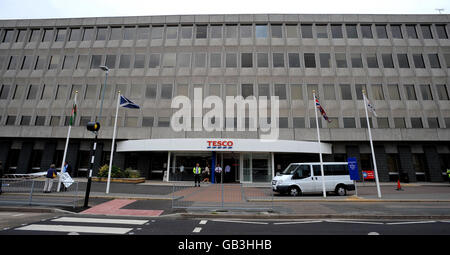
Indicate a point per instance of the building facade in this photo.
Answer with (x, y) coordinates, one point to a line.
(402, 61)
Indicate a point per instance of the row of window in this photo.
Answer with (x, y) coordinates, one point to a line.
(218, 31)
(297, 122)
(150, 91)
(227, 60)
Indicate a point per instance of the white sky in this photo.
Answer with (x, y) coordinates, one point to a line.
(32, 9)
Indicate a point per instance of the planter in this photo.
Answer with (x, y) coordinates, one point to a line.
(119, 180)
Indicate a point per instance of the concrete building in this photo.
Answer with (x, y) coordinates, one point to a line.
(402, 61)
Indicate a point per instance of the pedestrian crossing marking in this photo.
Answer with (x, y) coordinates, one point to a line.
(99, 220)
(77, 229)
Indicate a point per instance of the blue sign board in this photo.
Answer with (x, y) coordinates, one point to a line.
(353, 168)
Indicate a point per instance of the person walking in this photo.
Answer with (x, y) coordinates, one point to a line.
(197, 173)
(206, 174)
(219, 174)
(51, 174)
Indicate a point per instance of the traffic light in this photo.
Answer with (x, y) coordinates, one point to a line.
(93, 126)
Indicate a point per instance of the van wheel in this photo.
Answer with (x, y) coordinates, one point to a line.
(294, 191)
(341, 190)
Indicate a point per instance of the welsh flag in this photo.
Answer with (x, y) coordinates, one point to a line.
(73, 116)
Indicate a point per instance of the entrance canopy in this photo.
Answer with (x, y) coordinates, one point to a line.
(222, 145)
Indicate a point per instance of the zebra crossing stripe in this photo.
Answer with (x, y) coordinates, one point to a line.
(99, 220)
(77, 229)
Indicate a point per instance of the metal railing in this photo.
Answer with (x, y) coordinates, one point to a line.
(31, 192)
(222, 196)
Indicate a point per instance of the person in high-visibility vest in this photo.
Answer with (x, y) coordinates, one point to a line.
(197, 172)
(448, 173)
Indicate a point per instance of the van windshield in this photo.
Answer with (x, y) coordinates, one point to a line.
(290, 169)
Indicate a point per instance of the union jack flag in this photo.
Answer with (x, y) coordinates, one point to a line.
(322, 111)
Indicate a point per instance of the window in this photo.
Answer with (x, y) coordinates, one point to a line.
(247, 90)
(246, 31)
(214, 90)
(280, 91)
(325, 60)
(381, 31)
(128, 33)
(19, 91)
(442, 92)
(403, 61)
(332, 123)
(246, 60)
(89, 34)
(48, 35)
(231, 60)
(110, 61)
(75, 88)
(10, 120)
(184, 60)
(356, 60)
(426, 92)
(157, 32)
(264, 90)
(61, 93)
(54, 121)
(163, 122)
(216, 31)
(131, 121)
(396, 31)
(61, 34)
(150, 91)
(101, 34)
(47, 92)
(377, 91)
(433, 123)
(310, 88)
(447, 122)
(441, 31)
(411, 31)
(4, 92)
(82, 62)
(21, 34)
(296, 92)
(27, 62)
(35, 34)
(91, 91)
(172, 32)
(142, 33)
(310, 60)
(410, 92)
(363, 122)
(383, 122)
(321, 31)
(201, 32)
(387, 60)
(25, 121)
(366, 31)
(13, 61)
(200, 60)
(69, 62)
(169, 60)
(434, 60)
(291, 31)
(352, 32)
(231, 31)
(186, 32)
(166, 91)
(418, 61)
(294, 60)
(262, 59)
(39, 121)
(8, 37)
(312, 122)
(349, 122)
(277, 31)
(96, 61)
(32, 92)
(215, 60)
(372, 61)
(399, 123)
(394, 93)
(116, 33)
(306, 31)
(125, 61)
(426, 31)
(346, 93)
(136, 90)
(416, 122)
(336, 31)
(84, 120)
(278, 59)
(359, 91)
(341, 60)
(147, 121)
(54, 62)
(329, 93)
(299, 122)
(154, 60)
(231, 90)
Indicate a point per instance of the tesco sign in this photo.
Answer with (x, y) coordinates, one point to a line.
(212, 144)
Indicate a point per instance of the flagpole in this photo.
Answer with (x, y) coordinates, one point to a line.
(112, 144)
(67, 145)
(320, 147)
(371, 147)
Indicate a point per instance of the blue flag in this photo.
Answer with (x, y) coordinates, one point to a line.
(125, 102)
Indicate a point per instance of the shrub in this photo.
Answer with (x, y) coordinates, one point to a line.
(116, 172)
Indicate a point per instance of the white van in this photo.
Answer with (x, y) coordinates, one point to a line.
(304, 178)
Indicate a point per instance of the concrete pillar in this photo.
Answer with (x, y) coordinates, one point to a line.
(434, 166)
(4, 151)
(48, 155)
(72, 156)
(406, 164)
(24, 162)
(380, 156)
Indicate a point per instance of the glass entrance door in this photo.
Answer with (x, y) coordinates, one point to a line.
(255, 167)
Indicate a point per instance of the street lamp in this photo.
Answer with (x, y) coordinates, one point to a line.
(90, 126)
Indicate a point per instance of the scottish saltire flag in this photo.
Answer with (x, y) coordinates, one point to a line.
(125, 102)
(371, 107)
(322, 111)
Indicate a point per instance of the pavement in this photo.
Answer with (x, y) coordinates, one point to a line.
(182, 200)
